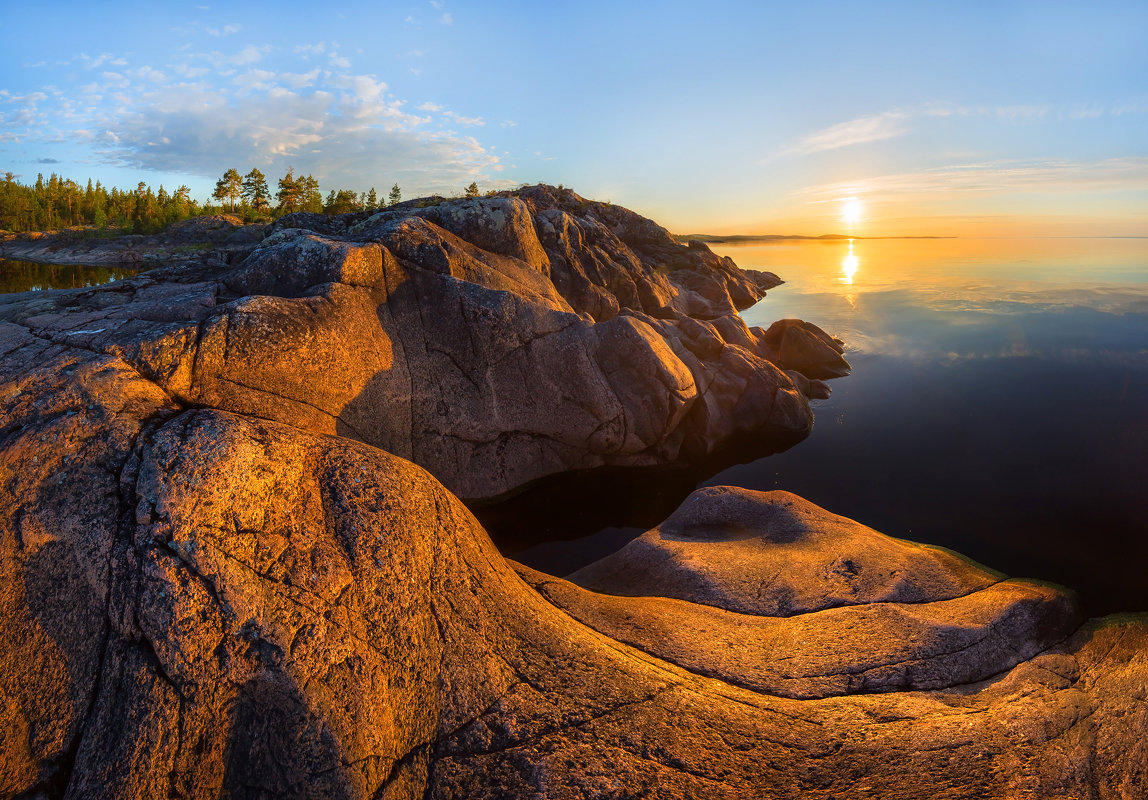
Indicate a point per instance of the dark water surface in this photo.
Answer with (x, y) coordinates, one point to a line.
(998, 405)
(25, 276)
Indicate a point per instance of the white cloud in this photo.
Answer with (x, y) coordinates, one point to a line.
(189, 72)
(300, 80)
(344, 128)
(430, 107)
(114, 79)
(508, 123)
(261, 79)
(250, 54)
(101, 59)
(446, 19)
(308, 50)
(150, 74)
(466, 122)
(872, 128)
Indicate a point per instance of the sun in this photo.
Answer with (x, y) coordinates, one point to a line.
(851, 210)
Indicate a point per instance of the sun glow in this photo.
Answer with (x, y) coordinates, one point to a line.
(851, 211)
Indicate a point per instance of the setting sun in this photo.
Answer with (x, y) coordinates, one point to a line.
(851, 211)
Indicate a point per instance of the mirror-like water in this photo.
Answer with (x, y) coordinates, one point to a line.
(998, 404)
(25, 276)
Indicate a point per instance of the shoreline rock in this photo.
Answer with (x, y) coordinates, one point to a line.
(587, 337)
(218, 236)
(210, 584)
(260, 605)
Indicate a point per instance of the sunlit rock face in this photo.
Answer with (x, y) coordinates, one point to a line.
(493, 341)
(198, 604)
(215, 582)
(751, 575)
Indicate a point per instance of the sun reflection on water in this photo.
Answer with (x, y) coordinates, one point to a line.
(849, 265)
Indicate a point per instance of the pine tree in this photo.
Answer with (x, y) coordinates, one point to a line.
(372, 200)
(309, 193)
(396, 195)
(289, 192)
(255, 190)
(229, 187)
(472, 190)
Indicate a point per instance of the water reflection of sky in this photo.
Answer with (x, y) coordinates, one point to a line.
(998, 404)
(952, 299)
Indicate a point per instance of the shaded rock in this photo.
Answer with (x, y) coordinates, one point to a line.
(812, 388)
(776, 554)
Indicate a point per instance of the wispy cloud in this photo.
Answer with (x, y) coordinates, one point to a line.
(1114, 174)
(1024, 112)
(891, 124)
(872, 128)
(466, 122)
(308, 50)
(226, 30)
(103, 58)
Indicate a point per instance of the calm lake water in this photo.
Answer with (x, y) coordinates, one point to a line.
(998, 406)
(24, 276)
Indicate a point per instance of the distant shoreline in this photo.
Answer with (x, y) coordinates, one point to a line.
(745, 238)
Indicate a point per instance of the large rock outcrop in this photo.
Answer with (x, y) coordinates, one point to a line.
(214, 582)
(203, 604)
(493, 341)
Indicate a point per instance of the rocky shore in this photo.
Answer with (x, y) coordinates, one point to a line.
(218, 236)
(235, 562)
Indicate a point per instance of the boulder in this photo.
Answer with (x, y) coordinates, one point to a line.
(793, 344)
(776, 554)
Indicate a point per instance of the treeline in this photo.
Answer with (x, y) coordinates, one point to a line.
(249, 194)
(61, 203)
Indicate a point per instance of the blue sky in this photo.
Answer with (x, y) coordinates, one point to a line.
(763, 117)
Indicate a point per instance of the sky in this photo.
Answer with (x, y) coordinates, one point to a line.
(871, 119)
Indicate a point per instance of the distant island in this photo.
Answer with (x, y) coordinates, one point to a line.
(740, 238)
